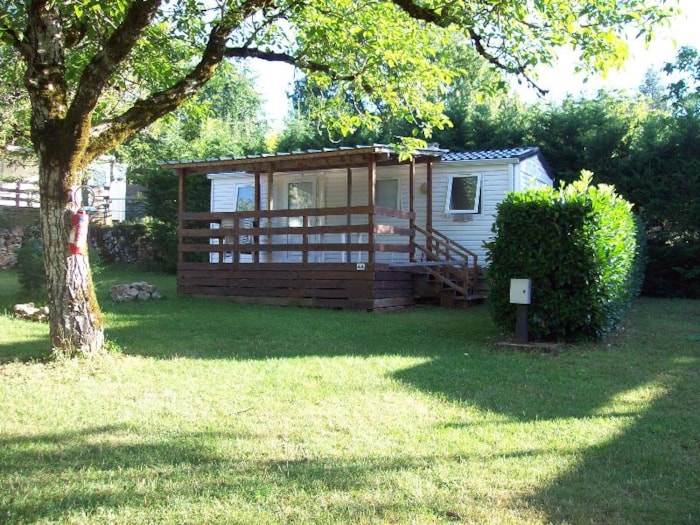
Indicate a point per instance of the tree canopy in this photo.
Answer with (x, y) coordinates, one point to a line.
(127, 63)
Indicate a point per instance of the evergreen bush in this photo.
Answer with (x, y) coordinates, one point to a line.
(30, 263)
(582, 248)
(163, 238)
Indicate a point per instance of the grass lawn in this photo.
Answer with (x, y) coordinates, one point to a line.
(223, 413)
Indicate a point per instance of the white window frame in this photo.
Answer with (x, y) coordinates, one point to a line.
(477, 198)
(397, 204)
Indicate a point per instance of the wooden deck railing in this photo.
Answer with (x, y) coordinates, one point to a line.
(459, 268)
(296, 235)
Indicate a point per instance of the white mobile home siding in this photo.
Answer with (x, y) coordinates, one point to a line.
(498, 176)
(533, 174)
(469, 229)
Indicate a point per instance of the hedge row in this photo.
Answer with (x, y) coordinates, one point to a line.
(581, 246)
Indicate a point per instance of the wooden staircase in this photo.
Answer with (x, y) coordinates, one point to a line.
(447, 271)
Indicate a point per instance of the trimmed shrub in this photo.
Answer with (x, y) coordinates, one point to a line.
(581, 246)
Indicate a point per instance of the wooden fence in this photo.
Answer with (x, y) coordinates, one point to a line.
(19, 194)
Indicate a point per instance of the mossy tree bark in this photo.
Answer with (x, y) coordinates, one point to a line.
(75, 319)
(66, 140)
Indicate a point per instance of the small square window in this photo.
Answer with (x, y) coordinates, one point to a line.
(387, 193)
(463, 194)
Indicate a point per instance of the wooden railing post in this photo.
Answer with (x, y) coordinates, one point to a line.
(412, 209)
(348, 217)
(305, 239)
(372, 180)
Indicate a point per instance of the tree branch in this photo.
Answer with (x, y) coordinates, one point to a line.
(422, 13)
(434, 17)
(146, 111)
(519, 70)
(286, 58)
(97, 73)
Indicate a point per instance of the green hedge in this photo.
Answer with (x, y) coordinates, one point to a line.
(580, 245)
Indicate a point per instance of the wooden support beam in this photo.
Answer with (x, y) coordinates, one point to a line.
(411, 205)
(180, 210)
(429, 204)
(258, 204)
(270, 206)
(371, 184)
(348, 202)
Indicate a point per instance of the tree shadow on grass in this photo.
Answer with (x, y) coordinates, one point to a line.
(650, 472)
(205, 329)
(119, 472)
(24, 351)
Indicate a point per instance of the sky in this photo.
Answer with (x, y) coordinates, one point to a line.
(273, 81)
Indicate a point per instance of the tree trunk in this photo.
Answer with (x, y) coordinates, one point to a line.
(76, 326)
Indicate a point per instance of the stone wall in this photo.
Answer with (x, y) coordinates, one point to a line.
(122, 243)
(10, 242)
(11, 216)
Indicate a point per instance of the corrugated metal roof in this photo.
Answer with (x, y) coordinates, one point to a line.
(374, 148)
(344, 156)
(492, 154)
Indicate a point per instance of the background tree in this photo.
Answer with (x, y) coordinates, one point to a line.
(653, 90)
(14, 102)
(684, 92)
(223, 119)
(97, 72)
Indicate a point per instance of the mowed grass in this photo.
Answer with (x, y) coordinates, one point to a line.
(224, 413)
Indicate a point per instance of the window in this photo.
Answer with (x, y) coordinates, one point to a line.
(463, 194)
(387, 193)
(300, 196)
(245, 198)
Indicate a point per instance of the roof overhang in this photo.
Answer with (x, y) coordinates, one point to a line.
(311, 160)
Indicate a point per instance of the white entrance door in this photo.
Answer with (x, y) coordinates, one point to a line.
(244, 201)
(300, 195)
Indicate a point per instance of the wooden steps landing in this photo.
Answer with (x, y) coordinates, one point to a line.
(428, 290)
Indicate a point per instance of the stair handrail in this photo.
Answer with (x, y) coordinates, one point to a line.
(452, 245)
(453, 251)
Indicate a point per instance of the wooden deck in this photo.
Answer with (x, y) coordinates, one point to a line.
(345, 285)
(257, 257)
